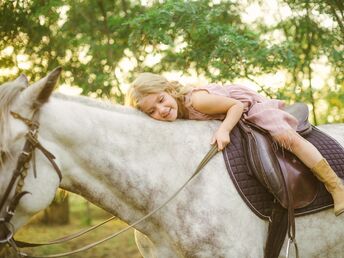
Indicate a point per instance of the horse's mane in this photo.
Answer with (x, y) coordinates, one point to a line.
(102, 104)
(8, 92)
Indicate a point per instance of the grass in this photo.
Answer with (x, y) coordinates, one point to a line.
(122, 246)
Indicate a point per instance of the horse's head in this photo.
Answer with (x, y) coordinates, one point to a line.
(19, 107)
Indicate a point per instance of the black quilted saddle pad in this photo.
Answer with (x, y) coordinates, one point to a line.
(256, 196)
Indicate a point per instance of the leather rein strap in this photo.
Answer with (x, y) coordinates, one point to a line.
(211, 153)
(19, 175)
(21, 171)
(205, 160)
(32, 140)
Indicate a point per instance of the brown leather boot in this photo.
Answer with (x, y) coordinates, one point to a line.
(333, 184)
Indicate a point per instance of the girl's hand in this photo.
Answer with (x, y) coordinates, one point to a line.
(221, 138)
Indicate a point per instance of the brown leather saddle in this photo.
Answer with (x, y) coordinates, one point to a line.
(277, 169)
(273, 182)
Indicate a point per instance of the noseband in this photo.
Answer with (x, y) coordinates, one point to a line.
(19, 175)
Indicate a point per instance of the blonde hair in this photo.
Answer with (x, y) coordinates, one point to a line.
(150, 83)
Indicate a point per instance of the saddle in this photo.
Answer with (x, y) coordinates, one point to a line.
(273, 182)
(277, 169)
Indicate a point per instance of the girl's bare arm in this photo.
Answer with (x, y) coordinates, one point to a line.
(215, 104)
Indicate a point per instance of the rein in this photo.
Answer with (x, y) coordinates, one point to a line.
(22, 166)
(19, 175)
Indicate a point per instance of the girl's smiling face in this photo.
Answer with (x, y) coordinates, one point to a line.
(161, 106)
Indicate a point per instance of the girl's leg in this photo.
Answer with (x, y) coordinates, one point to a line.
(313, 159)
(302, 148)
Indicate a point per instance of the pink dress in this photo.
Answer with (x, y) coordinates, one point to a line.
(267, 113)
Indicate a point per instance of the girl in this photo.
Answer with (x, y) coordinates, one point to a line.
(168, 100)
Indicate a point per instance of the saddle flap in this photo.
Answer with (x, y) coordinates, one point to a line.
(301, 183)
(277, 169)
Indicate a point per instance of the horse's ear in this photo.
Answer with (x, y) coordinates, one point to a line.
(22, 79)
(39, 92)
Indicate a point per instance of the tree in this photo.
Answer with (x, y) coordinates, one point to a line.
(58, 211)
(91, 38)
(215, 41)
(87, 38)
(310, 42)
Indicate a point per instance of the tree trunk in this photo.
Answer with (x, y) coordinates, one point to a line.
(57, 212)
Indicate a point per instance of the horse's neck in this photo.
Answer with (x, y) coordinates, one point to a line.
(108, 157)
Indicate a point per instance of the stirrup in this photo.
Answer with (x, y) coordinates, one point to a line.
(290, 240)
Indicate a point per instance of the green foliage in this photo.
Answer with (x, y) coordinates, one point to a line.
(311, 41)
(86, 37)
(91, 38)
(216, 41)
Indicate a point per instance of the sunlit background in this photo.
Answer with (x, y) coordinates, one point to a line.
(268, 12)
(287, 49)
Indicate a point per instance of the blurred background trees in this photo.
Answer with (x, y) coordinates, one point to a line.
(103, 44)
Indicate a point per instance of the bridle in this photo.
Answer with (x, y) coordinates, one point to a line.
(17, 182)
(19, 174)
